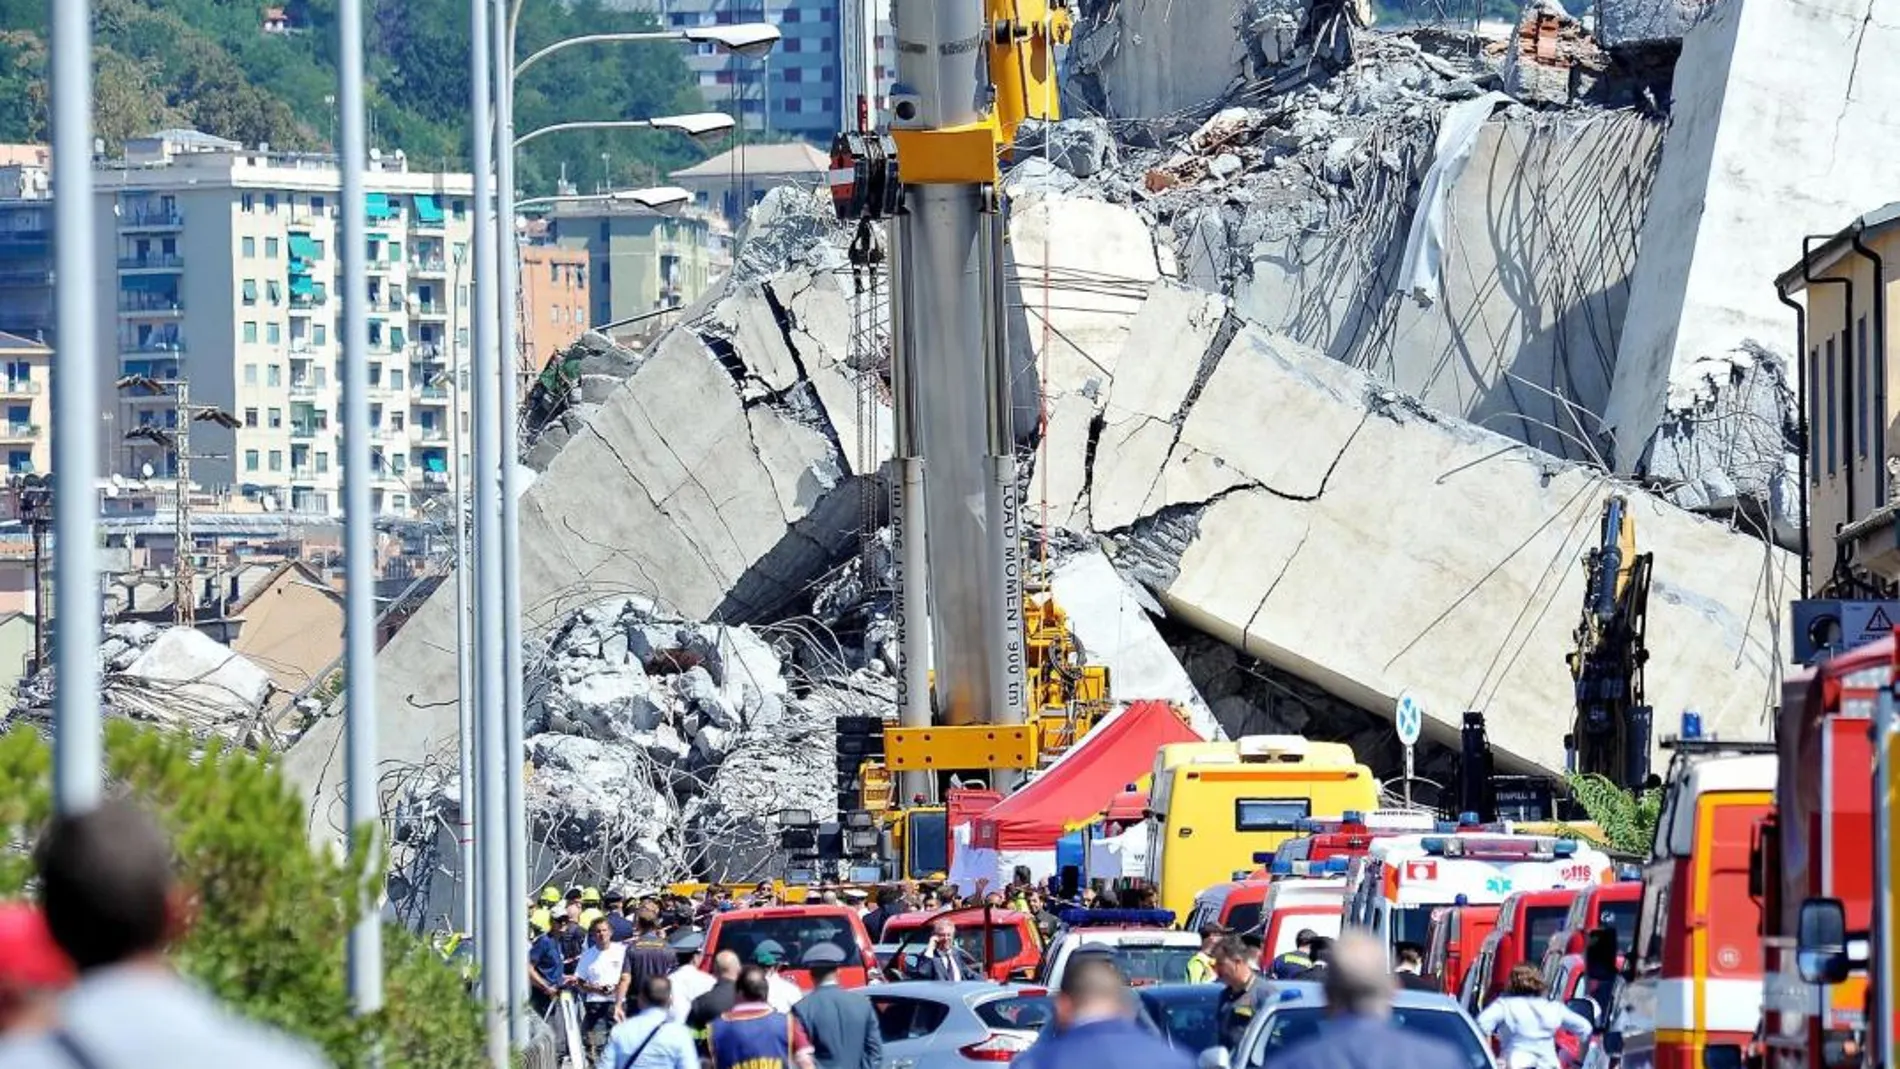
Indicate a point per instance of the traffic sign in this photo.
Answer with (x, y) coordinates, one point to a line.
(1409, 719)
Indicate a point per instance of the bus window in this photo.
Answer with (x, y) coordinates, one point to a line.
(1271, 814)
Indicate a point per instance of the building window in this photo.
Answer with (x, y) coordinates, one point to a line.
(461, 297)
(274, 291)
(250, 417)
(1814, 416)
(250, 460)
(316, 205)
(1863, 386)
(247, 203)
(323, 463)
(249, 288)
(1833, 414)
(459, 209)
(398, 502)
(395, 252)
(273, 375)
(250, 374)
(271, 247)
(395, 378)
(321, 374)
(319, 334)
(274, 333)
(250, 338)
(276, 416)
(249, 245)
(399, 463)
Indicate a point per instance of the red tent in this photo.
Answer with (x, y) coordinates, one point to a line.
(1087, 778)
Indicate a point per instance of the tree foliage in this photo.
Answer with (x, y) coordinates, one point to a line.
(272, 911)
(1628, 820)
(208, 65)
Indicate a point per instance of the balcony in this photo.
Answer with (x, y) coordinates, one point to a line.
(435, 478)
(26, 276)
(304, 302)
(151, 303)
(433, 394)
(429, 435)
(302, 388)
(152, 345)
(132, 218)
(304, 473)
(304, 432)
(168, 262)
(432, 309)
(21, 387)
(19, 432)
(428, 265)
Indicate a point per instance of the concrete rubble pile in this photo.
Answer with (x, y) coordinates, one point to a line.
(173, 677)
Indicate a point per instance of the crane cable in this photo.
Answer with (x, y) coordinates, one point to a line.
(1042, 375)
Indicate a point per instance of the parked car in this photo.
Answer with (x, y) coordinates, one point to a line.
(1145, 949)
(1302, 1008)
(1186, 1015)
(1013, 945)
(927, 1024)
(796, 930)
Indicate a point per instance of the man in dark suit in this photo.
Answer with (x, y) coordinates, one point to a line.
(842, 1027)
(889, 904)
(942, 959)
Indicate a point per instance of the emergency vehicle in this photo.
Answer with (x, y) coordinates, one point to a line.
(1695, 993)
(1214, 805)
(1348, 837)
(1317, 903)
(1457, 936)
(1611, 906)
(1819, 844)
(1398, 883)
(1526, 919)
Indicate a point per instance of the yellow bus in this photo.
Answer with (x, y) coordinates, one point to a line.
(1215, 804)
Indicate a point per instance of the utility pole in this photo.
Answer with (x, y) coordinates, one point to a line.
(178, 440)
(33, 497)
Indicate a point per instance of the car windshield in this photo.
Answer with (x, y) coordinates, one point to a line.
(1005, 940)
(1150, 964)
(1026, 1013)
(796, 936)
(1244, 917)
(1189, 1022)
(1295, 1024)
(1542, 922)
(1412, 924)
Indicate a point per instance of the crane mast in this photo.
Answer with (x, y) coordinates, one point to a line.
(969, 72)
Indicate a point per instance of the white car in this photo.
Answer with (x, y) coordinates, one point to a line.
(1146, 953)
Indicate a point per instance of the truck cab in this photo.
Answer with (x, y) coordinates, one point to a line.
(1694, 995)
(1457, 936)
(1214, 805)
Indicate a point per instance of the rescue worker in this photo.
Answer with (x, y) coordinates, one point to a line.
(1359, 1033)
(1526, 1023)
(1096, 1026)
(590, 908)
(647, 956)
(1200, 967)
(1246, 991)
(547, 967)
(1296, 961)
(753, 1035)
(543, 913)
(1410, 969)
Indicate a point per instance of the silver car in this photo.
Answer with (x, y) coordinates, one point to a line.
(927, 1024)
(1301, 1010)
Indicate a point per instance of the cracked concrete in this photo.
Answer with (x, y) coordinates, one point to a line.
(1747, 171)
(716, 495)
(1365, 544)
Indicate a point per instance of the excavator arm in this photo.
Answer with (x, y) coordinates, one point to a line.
(1610, 733)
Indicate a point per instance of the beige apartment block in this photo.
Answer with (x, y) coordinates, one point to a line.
(26, 402)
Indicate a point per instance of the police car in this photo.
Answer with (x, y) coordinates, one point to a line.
(1141, 941)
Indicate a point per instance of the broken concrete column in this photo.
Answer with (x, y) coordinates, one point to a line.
(1781, 127)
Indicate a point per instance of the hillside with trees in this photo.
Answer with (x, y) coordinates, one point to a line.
(209, 65)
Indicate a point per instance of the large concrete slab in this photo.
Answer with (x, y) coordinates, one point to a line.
(1370, 545)
(1522, 330)
(1113, 619)
(1782, 126)
(686, 486)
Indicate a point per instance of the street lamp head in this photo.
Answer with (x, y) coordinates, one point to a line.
(658, 198)
(749, 39)
(704, 126)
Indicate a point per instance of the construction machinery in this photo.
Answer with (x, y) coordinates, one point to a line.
(1610, 735)
(992, 684)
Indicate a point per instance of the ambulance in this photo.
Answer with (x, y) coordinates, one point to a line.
(1394, 889)
(1214, 805)
(1313, 903)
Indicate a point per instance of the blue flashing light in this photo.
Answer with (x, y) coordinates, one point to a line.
(1290, 994)
(1564, 848)
(1281, 867)
(1263, 857)
(1469, 819)
(1338, 865)
(1117, 918)
(1353, 816)
(1461, 900)
(1691, 724)
(1432, 845)
(1444, 827)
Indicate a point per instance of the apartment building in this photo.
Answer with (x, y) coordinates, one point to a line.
(640, 261)
(25, 393)
(219, 269)
(554, 301)
(1847, 286)
(798, 90)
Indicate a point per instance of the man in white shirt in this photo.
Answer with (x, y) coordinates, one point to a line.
(597, 977)
(780, 994)
(688, 980)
